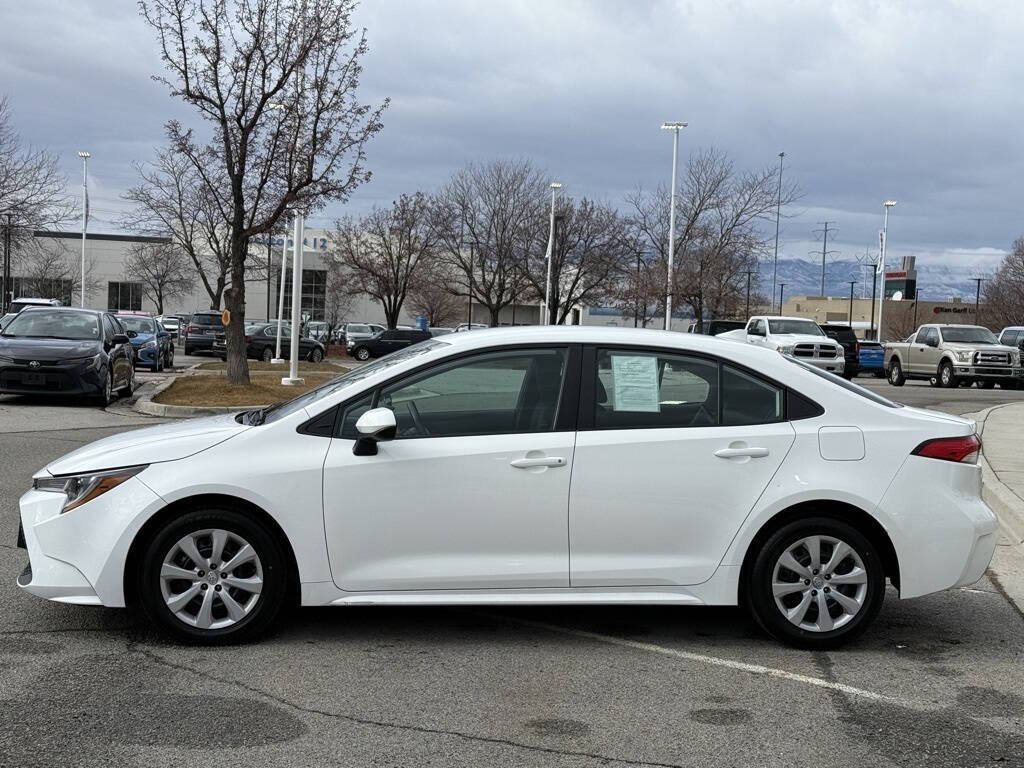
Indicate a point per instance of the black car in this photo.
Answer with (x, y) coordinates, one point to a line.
(201, 330)
(261, 342)
(64, 351)
(851, 347)
(386, 342)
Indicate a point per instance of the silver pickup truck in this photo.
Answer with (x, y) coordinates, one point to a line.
(952, 356)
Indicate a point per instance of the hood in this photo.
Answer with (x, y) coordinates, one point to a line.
(959, 345)
(141, 338)
(48, 349)
(166, 442)
(802, 338)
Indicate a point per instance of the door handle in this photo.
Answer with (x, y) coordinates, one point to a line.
(732, 453)
(542, 461)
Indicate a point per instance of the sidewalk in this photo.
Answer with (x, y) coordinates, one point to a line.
(1002, 432)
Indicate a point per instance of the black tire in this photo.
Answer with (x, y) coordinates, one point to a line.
(760, 600)
(895, 373)
(361, 353)
(170, 356)
(107, 396)
(880, 374)
(267, 355)
(127, 390)
(986, 385)
(316, 355)
(188, 350)
(947, 379)
(1009, 384)
(269, 601)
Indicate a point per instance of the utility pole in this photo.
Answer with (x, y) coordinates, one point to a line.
(977, 298)
(749, 273)
(824, 251)
(881, 261)
(782, 288)
(852, 283)
(778, 213)
(5, 300)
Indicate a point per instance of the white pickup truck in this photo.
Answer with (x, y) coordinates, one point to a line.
(795, 336)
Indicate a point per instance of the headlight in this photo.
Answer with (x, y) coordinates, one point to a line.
(149, 344)
(964, 356)
(79, 489)
(96, 361)
(786, 349)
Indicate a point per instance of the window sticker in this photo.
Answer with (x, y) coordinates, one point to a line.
(636, 383)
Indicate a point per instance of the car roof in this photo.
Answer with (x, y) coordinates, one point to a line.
(49, 308)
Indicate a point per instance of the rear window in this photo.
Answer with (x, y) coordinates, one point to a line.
(356, 328)
(839, 333)
(849, 386)
(206, 320)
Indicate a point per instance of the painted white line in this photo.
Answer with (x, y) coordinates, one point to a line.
(755, 669)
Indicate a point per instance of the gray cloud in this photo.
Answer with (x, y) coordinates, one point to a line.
(919, 101)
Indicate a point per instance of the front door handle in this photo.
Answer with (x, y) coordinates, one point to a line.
(542, 461)
(733, 453)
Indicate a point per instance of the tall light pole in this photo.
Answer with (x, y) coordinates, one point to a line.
(881, 263)
(675, 127)
(782, 287)
(280, 301)
(778, 214)
(852, 283)
(977, 298)
(555, 186)
(85, 214)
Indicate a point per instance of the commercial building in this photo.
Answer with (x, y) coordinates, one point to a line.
(901, 317)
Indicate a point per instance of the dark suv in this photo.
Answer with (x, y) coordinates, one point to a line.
(386, 342)
(851, 347)
(201, 330)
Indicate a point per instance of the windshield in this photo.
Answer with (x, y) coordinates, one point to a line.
(968, 334)
(355, 328)
(281, 410)
(54, 324)
(137, 324)
(808, 327)
(849, 386)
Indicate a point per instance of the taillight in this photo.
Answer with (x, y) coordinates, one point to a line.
(856, 348)
(190, 329)
(960, 449)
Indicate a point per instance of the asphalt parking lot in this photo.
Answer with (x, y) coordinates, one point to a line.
(937, 681)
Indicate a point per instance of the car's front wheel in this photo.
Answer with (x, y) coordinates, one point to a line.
(267, 355)
(362, 353)
(316, 355)
(213, 576)
(816, 583)
(947, 378)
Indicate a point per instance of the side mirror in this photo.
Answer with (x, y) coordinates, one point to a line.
(119, 338)
(374, 426)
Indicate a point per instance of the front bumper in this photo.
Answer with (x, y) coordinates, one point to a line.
(74, 379)
(833, 364)
(78, 557)
(147, 356)
(994, 372)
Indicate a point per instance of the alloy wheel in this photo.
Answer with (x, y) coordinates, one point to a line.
(819, 583)
(211, 579)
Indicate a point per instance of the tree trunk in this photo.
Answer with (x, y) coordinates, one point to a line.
(237, 363)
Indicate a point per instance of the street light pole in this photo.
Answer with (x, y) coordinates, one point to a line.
(977, 299)
(881, 263)
(675, 128)
(852, 283)
(5, 300)
(555, 186)
(782, 288)
(85, 215)
(293, 368)
(280, 301)
(778, 214)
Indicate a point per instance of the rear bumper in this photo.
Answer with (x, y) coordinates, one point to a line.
(943, 533)
(199, 342)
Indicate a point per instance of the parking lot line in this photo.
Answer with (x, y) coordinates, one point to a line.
(700, 658)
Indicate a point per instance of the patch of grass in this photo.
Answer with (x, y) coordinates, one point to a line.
(259, 366)
(207, 391)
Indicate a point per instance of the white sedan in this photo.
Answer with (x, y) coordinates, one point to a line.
(527, 466)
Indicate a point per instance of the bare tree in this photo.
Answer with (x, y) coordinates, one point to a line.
(383, 251)
(592, 251)
(339, 299)
(487, 219)
(234, 61)
(172, 199)
(33, 196)
(162, 270)
(435, 295)
(718, 217)
(49, 269)
(640, 293)
(1003, 293)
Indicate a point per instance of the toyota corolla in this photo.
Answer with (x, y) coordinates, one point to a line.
(545, 465)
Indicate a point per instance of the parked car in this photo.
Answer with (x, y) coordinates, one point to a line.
(954, 355)
(872, 358)
(170, 324)
(19, 304)
(153, 346)
(356, 332)
(386, 342)
(438, 331)
(202, 329)
(715, 327)
(261, 343)
(317, 329)
(64, 351)
(1012, 336)
(702, 473)
(851, 346)
(469, 327)
(796, 336)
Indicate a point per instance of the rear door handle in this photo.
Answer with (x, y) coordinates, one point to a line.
(732, 453)
(542, 461)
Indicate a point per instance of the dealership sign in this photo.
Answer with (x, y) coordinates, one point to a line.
(315, 243)
(952, 310)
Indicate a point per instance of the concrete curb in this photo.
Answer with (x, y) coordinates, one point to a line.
(144, 404)
(1007, 566)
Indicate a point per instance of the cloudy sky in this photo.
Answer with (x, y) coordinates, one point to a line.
(918, 101)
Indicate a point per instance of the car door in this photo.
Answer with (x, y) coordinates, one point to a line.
(672, 454)
(924, 353)
(756, 332)
(473, 492)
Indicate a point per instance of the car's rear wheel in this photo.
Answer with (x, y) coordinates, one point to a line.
(816, 583)
(188, 350)
(947, 378)
(896, 377)
(129, 388)
(170, 356)
(1009, 384)
(213, 576)
(267, 355)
